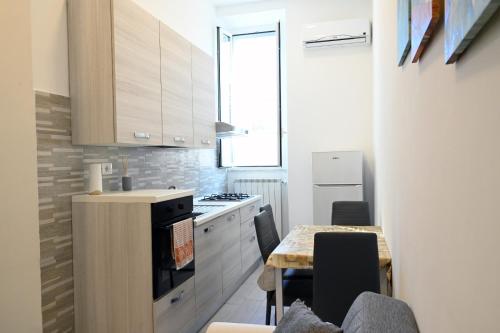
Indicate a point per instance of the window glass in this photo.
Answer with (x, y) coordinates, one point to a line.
(249, 99)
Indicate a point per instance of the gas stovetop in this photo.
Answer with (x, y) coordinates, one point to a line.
(226, 197)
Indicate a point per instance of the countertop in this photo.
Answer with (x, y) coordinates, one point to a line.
(137, 196)
(225, 207)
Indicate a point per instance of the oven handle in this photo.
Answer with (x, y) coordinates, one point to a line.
(172, 222)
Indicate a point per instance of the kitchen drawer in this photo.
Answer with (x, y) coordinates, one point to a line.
(250, 210)
(250, 252)
(176, 311)
(247, 227)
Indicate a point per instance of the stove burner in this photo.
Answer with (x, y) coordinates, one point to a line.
(226, 197)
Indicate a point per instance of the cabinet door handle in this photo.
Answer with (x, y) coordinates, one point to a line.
(205, 142)
(252, 207)
(252, 239)
(209, 229)
(252, 224)
(177, 298)
(232, 217)
(179, 139)
(142, 135)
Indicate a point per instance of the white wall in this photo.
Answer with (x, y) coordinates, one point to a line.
(329, 94)
(20, 291)
(193, 19)
(329, 99)
(438, 160)
(50, 46)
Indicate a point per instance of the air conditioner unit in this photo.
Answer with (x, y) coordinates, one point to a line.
(337, 33)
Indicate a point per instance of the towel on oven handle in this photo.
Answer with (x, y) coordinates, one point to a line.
(182, 243)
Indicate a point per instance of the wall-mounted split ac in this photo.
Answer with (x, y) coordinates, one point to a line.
(337, 33)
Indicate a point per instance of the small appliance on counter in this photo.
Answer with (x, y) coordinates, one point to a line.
(95, 179)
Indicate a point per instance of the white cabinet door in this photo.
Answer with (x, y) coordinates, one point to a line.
(324, 196)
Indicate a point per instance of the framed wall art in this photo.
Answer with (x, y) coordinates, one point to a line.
(463, 21)
(404, 30)
(425, 15)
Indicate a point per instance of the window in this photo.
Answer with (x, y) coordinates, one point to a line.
(249, 97)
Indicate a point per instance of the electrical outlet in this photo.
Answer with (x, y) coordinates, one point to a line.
(107, 169)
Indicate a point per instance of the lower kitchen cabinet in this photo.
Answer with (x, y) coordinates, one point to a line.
(250, 252)
(225, 251)
(175, 312)
(208, 268)
(231, 253)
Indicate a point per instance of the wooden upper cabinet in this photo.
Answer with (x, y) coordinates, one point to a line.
(135, 81)
(91, 71)
(177, 89)
(203, 99)
(115, 85)
(137, 75)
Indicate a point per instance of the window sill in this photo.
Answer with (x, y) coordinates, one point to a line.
(277, 168)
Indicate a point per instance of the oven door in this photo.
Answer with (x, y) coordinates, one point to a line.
(166, 277)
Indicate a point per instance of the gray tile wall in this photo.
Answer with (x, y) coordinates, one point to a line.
(62, 172)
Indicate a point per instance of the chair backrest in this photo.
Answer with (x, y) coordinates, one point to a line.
(267, 208)
(345, 265)
(350, 213)
(267, 235)
(378, 313)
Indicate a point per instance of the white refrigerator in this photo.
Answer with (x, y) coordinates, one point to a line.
(337, 176)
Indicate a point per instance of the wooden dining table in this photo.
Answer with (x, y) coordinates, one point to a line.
(297, 248)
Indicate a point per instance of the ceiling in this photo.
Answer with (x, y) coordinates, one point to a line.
(219, 3)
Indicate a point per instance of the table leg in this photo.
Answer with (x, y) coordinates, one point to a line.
(279, 294)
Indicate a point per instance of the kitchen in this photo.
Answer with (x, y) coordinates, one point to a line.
(151, 146)
(97, 135)
(112, 130)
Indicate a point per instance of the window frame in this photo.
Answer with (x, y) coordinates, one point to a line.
(277, 31)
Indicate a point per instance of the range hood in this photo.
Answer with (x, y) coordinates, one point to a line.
(225, 130)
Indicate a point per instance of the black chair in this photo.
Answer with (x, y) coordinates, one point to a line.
(290, 273)
(351, 213)
(267, 208)
(345, 265)
(268, 240)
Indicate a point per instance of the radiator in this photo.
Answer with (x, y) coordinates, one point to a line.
(271, 192)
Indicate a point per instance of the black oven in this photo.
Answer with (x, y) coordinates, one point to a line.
(166, 277)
